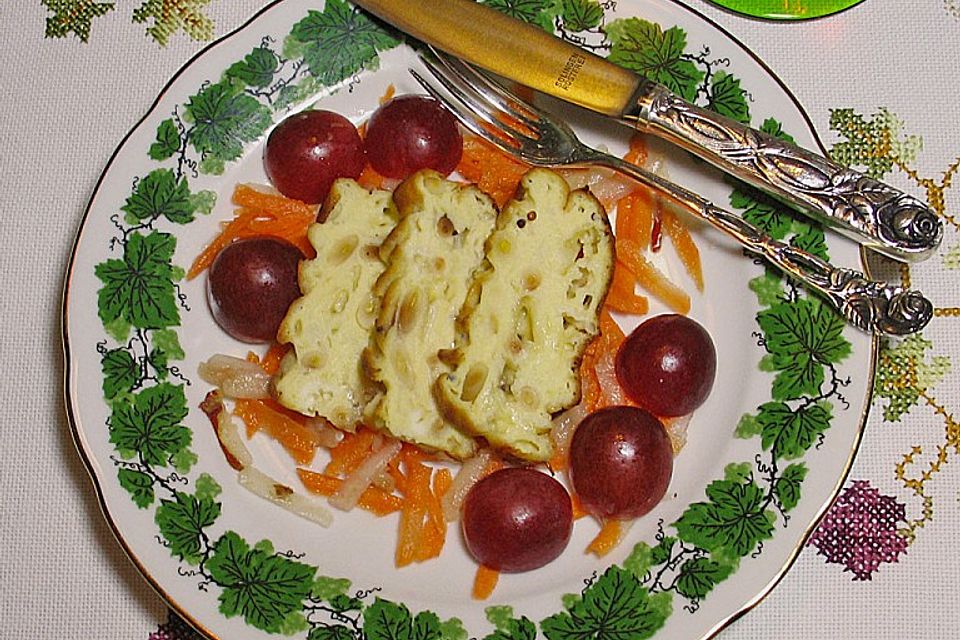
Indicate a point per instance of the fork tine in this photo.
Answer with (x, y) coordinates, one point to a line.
(465, 114)
(480, 103)
(489, 89)
(461, 92)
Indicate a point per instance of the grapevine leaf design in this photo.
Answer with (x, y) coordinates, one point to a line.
(149, 424)
(662, 552)
(160, 195)
(120, 372)
(327, 587)
(762, 211)
(698, 576)
(257, 69)
(802, 337)
(786, 489)
(262, 587)
(225, 119)
(509, 627)
(788, 433)
(727, 97)
(386, 620)
(810, 238)
(167, 341)
(538, 12)
(139, 289)
(167, 142)
(768, 288)
(581, 15)
(139, 485)
(774, 127)
(734, 519)
(615, 606)
(331, 632)
(170, 16)
(73, 16)
(646, 49)
(340, 41)
(182, 521)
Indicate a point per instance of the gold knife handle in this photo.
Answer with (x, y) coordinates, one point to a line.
(870, 212)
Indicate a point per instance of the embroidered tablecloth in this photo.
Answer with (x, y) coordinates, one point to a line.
(879, 82)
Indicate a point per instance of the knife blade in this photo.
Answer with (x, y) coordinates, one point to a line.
(866, 210)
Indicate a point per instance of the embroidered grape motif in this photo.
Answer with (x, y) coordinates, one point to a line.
(861, 531)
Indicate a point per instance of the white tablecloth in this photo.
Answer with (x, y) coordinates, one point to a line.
(66, 105)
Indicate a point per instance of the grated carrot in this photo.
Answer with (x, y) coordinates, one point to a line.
(373, 499)
(577, 506)
(370, 179)
(283, 425)
(259, 213)
(683, 242)
(636, 212)
(246, 196)
(350, 452)
(609, 340)
(484, 582)
(637, 153)
(412, 514)
(610, 535)
(271, 359)
(622, 295)
(494, 173)
(433, 533)
(651, 279)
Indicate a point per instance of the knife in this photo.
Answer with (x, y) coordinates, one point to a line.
(870, 212)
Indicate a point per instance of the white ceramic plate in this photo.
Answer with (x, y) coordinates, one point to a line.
(765, 455)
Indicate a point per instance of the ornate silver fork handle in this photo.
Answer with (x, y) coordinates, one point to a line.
(868, 211)
(868, 304)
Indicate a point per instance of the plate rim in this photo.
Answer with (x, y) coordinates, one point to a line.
(69, 366)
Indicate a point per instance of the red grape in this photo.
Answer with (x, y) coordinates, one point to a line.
(410, 133)
(517, 519)
(309, 150)
(667, 365)
(250, 285)
(621, 462)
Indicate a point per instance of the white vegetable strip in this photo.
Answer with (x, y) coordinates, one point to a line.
(606, 371)
(469, 474)
(328, 436)
(261, 484)
(230, 439)
(563, 427)
(236, 377)
(357, 482)
(607, 185)
(677, 431)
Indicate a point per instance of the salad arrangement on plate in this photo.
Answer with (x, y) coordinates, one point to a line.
(749, 481)
(435, 327)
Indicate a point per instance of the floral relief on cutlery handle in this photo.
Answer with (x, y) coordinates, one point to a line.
(867, 210)
(868, 304)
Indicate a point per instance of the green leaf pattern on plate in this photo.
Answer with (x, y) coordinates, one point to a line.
(140, 307)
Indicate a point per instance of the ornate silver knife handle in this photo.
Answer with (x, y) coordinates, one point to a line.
(868, 304)
(870, 212)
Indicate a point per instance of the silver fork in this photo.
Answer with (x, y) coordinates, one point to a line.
(537, 138)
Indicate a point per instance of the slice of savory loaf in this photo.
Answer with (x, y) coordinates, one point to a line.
(530, 313)
(431, 257)
(330, 325)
